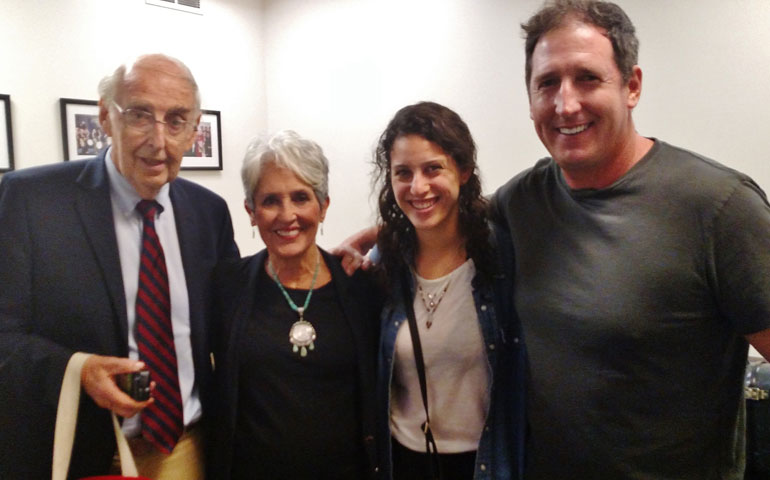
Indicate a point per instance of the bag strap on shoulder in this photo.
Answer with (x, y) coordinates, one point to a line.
(430, 442)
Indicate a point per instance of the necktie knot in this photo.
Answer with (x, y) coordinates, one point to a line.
(148, 209)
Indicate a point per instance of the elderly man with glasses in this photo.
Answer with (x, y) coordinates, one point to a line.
(111, 256)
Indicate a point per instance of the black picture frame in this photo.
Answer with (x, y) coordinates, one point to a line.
(6, 134)
(81, 132)
(206, 151)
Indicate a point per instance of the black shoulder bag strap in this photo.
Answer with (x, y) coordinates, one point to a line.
(430, 442)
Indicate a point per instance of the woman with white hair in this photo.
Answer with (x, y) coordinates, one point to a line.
(295, 342)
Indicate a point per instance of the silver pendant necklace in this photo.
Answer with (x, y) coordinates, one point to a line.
(431, 301)
(302, 334)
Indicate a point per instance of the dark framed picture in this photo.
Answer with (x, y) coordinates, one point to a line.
(82, 135)
(206, 151)
(6, 134)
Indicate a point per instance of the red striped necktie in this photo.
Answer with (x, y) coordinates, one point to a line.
(162, 421)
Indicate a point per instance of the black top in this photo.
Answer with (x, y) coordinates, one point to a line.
(299, 415)
(352, 302)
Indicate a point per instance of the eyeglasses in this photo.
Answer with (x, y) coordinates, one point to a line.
(144, 121)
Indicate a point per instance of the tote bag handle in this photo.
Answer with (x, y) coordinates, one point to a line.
(66, 419)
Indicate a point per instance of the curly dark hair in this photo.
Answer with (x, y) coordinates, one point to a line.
(397, 240)
(605, 15)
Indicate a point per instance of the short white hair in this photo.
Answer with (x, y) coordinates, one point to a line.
(286, 149)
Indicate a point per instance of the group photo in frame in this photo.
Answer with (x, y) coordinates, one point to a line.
(6, 134)
(82, 134)
(206, 150)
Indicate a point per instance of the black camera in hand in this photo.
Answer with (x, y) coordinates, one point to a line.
(135, 384)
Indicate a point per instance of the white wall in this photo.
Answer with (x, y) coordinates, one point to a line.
(706, 68)
(337, 70)
(53, 49)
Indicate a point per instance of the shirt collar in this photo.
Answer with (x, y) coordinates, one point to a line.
(123, 193)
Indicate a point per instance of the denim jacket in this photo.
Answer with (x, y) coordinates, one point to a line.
(500, 453)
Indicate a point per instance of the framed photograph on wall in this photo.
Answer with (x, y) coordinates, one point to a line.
(206, 151)
(82, 135)
(6, 134)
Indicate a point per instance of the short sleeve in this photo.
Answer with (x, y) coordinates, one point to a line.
(740, 272)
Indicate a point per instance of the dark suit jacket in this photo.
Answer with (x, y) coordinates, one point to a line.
(234, 304)
(61, 291)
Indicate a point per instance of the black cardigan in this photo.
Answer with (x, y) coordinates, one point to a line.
(234, 280)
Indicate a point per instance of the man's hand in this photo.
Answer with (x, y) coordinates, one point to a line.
(352, 259)
(354, 248)
(97, 378)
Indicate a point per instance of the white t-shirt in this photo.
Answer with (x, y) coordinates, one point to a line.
(456, 369)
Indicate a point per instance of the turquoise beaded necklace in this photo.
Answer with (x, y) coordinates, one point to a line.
(302, 335)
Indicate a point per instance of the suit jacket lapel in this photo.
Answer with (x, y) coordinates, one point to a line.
(94, 207)
(354, 314)
(351, 312)
(356, 310)
(188, 230)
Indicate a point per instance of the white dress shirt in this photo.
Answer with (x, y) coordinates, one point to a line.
(128, 230)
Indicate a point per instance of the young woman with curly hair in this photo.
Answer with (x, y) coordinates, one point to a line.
(435, 239)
